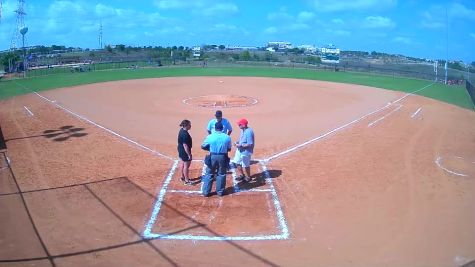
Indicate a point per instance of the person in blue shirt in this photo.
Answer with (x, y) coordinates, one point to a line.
(218, 144)
(245, 148)
(227, 128)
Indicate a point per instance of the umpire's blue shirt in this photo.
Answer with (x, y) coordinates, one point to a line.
(226, 126)
(218, 142)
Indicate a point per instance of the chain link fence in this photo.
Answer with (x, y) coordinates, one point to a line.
(86, 62)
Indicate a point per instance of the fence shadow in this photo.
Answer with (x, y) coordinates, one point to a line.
(58, 135)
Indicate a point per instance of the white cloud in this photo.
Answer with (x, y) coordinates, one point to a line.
(402, 40)
(458, 10)
(435, 16)
(220, 9)
(271, 30)
(378, 22)
(8, 9)
(338, 32)
(78, 23)
(338, 21)
(174, 29)
(297, 26)
(201, 7)
(67, 7)
(102, 11)
(223, 27)
(282, 14)
(431, 21)
(174, 4)
(352, 5)
(305, 15)
(341, 33)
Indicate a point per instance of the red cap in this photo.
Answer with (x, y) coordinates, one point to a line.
(242, 122)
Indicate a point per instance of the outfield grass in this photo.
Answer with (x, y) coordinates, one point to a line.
(456, 95)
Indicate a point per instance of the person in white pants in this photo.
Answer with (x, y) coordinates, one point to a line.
(245, 148)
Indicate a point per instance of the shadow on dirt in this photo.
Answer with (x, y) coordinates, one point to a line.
(58, 135)
(154, 246)
(259, 179)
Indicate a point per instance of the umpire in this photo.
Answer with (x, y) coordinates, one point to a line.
(219, 145)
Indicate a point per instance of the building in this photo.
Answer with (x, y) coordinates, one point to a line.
(236, 47)
(196, 51)
(278, 46)
(330, 54)
(308, 49)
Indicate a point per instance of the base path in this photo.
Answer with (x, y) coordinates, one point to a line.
(349, 176)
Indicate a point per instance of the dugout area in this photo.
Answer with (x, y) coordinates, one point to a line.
(357, 180)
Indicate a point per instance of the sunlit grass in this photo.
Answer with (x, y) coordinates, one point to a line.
(456, 95)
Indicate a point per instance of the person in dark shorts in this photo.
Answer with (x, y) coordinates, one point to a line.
(218, 144)
(185, 143)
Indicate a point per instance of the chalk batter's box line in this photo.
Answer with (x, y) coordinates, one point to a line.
(282, 227)
(237, 190)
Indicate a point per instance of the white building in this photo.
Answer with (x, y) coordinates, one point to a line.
(279, 45)
(330, 54)
(309, 49)
(196, 51)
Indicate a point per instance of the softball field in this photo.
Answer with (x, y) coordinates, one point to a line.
(344, 175)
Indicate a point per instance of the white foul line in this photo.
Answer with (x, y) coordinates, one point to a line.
(382, 118)
(185, 191)
(158, 202)
(106, 129)
(415, 113)
(413, 92)
(324, 135)
(344, 126)
(280, 215)
(29, 112)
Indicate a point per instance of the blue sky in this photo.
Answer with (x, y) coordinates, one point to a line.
(410, 27)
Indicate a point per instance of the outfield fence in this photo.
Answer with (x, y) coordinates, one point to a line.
(406, 70)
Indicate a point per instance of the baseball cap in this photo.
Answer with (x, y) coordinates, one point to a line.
(218, 126)
(218, 114)
(242, 122)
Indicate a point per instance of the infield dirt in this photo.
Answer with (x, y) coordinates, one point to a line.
(368, 194)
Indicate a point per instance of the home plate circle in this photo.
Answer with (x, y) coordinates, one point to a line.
(220, 101)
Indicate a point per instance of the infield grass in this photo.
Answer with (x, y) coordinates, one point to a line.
(456, 95)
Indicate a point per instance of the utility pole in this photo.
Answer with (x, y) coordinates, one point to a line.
(1, 7)
(446, 44)
(100, 35)
(20, 23)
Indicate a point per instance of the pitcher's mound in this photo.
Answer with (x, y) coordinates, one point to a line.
(221, 101)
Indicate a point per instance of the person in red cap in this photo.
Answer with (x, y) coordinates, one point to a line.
(245, 148)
